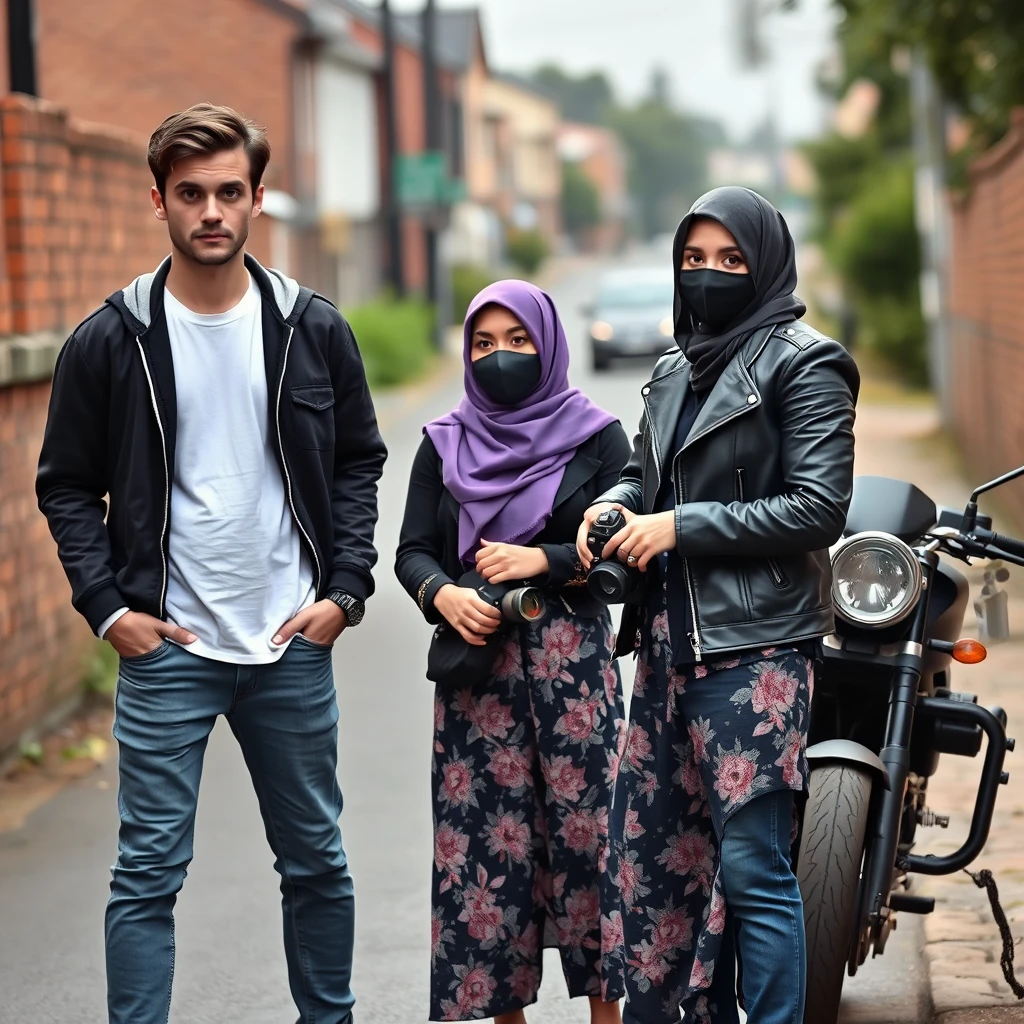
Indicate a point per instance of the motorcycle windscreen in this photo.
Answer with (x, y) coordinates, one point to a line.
(886, 505)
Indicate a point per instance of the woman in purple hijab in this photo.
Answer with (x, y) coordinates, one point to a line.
(524, 764)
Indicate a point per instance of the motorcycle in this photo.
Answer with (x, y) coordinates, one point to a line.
(883, 711)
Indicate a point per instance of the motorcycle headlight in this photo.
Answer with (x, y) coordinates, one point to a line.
(876, 580)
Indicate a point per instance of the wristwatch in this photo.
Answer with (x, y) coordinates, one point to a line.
(353, 608)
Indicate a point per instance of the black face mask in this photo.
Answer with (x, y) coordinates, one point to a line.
(508, 377)
(716, 296)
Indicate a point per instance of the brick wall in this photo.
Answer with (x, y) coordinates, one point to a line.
(987, 325)
(133, 62)
(76, 225)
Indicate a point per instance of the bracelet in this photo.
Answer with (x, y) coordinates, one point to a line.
(423, 589)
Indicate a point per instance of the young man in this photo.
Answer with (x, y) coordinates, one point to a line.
(225, 412)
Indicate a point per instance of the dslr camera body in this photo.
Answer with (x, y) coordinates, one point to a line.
(609, 580)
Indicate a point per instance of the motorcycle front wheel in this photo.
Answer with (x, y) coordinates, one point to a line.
(829, 866)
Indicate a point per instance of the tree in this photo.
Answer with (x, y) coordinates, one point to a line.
(586, 98)
(581, 204)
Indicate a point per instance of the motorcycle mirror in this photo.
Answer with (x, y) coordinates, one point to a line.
(971, 512)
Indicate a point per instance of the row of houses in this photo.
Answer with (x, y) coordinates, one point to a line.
(312, 71)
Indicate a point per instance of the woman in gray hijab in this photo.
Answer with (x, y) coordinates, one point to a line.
(739, 481)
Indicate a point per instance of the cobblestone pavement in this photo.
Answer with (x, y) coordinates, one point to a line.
(962, 944)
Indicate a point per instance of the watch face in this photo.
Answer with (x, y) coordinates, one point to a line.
(352, 608)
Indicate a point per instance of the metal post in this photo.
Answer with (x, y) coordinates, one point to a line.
(21, 47)
(392, 212)
(432, 124)
(930, 214)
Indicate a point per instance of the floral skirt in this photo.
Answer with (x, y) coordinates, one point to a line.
(701, 743)
(523, 774)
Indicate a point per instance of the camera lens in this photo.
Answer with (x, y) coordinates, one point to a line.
(526, 604)
(608, 582)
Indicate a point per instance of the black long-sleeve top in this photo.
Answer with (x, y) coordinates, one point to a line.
(428, 550)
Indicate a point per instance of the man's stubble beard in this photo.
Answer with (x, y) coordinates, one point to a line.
(190, 250)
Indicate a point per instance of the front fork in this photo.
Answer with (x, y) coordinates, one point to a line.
(883, 843)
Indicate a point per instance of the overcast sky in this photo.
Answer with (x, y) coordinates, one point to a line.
(695, 40)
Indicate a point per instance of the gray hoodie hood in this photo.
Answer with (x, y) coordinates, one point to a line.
(288, 295)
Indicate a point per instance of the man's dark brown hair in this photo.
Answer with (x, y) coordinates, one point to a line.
(202, 130)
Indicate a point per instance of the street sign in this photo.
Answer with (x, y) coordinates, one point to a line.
(421, 180)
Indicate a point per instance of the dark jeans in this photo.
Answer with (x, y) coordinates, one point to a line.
(284, 717)
(765, 918)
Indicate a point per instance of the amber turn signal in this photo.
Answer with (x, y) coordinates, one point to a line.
(969, 652)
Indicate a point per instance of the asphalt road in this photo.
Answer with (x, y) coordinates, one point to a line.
(230, 967)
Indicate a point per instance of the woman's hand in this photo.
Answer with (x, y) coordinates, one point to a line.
(643, 538)
(589, 516)
(500, 562)
(466, 611)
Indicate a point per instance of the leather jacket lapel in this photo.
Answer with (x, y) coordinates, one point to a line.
(663, 400)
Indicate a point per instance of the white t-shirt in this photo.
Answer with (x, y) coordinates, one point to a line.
(236, 568)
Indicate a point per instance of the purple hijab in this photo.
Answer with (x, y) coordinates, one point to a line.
(503, 464)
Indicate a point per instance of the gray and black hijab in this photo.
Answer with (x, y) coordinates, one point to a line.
(767, 246)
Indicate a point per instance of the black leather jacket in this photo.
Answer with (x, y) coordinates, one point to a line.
(763, 485)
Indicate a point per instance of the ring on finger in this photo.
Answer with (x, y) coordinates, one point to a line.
(631, 559)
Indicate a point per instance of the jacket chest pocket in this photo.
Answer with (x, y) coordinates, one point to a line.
(313, 408)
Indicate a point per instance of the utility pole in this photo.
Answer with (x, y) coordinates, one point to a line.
(21, 47)
(930, 215)
(392, 211)
(434, 141)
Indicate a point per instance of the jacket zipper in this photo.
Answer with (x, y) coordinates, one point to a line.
(777, 576)
(693, 637)
(739, 484)
(284, 463)
(167, 478)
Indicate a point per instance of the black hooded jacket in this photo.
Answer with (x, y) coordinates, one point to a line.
(763, 481)
(112, 427)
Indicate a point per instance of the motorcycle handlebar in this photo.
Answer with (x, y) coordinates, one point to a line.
(1009, 545)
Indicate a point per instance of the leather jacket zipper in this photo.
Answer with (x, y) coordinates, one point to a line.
(740, 474)
(167, 478)
(778, 577)
(693, 637)
(284, 464)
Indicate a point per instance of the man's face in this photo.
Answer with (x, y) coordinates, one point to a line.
(208, 204)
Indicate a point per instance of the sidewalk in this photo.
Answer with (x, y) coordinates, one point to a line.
(899, 436)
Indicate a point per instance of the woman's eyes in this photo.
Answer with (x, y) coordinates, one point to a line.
(732, 262)
(520, 340)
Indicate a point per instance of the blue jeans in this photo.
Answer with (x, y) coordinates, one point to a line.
(285, 718)
(765, 919)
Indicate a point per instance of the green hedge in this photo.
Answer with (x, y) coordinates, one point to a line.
(467, 280)
(527, 250)
(395, 339)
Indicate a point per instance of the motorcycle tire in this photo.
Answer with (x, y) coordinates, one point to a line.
(828, 868)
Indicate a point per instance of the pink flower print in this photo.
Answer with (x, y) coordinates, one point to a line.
(480, 911)
(510, 768)
(438, 715)
(672, 930)
(450, 847)
(688, 853)
(632, 828)
(580, 830)
(490, 716)
(610, 678)
(564, 779)
(508, 835)
(693, 782)
(700, 671)
(735, 774)
(773, 694)
(698, 976)
(659, 628)
(584, 910)
(457, 783)
(631, 880)
(580, 719)
(701, 734)
(789, 759)
(643, 673)
(638, 746)
(716, 917)
(476, 989)
(524, 982)
(509, 662)
(676, 688)
(563, 637)
(611, 932)
(649, 964)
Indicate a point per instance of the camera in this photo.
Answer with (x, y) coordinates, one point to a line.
(516, 602)
(609, 580)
